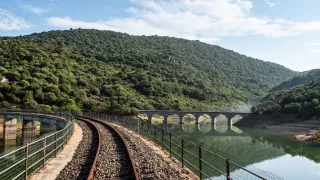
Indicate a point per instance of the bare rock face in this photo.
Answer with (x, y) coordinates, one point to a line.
(311, 136)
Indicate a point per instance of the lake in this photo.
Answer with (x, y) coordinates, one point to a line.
(12, 144)
(273, 154)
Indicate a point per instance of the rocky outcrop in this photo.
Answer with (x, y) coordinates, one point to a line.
(312, 136)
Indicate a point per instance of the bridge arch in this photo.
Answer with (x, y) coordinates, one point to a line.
(204, 125)
(157, 119)
(143, 116)
(236, 118)
(173, 119)
(221, 123)
(189, 119)
(233, 120)
(221, 119)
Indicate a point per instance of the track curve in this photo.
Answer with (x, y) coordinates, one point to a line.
(82, 165)
(91, 176)
(115, 160)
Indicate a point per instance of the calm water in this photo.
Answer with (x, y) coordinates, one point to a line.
(12, 144)
(257, 149)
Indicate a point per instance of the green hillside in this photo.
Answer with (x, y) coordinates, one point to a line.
(302, 101)
(116, 72)
(302, 79)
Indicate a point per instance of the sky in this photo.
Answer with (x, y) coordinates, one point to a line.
(286, 32)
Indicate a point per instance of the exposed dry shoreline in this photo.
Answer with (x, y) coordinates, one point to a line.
(295, 127)
(302, 130)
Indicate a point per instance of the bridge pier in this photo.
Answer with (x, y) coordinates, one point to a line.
(165, 119)
(9, 129)
(180, 119)
(150, 119)
(47, 127)
(229, 123)
(213, 118)
(197, 119)
(28, 131)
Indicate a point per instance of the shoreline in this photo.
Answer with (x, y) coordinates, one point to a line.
(301, 131)
(295, 127)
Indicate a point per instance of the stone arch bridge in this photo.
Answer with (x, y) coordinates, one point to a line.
(196, 114)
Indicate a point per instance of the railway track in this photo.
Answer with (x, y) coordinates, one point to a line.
(115, 160)
(143, 162)
(83, 162)
(102, 154)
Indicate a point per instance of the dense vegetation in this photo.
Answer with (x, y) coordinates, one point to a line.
(116, 72)
(302, 79)
(303, 101)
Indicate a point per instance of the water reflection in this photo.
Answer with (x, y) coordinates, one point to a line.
(205, 127)
(256, 149)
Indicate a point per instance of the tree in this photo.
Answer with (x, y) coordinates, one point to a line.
(50, 98)
(66, 88)
(12, 76)
(292, 108)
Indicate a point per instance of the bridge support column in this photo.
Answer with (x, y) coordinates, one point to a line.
(9, 129)
(46, 127)
(213, 120)
(165, 119)
(150, 119)
(197, 119)
(28, 131)
(180, 119)
(229, 124)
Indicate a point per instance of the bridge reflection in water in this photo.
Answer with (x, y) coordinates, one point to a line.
(197, 122)
(206, 129)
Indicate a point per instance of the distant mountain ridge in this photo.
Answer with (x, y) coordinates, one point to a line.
(302, 79)
(116, 72)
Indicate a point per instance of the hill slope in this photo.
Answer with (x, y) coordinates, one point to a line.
(302, 79)
(104, 70)
(301, 100)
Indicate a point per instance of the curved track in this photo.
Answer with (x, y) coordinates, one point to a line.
(82, 165)
(113, 160)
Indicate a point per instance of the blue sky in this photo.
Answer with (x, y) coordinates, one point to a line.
(286, 32)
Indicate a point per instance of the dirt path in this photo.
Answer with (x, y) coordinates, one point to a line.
(55, 165)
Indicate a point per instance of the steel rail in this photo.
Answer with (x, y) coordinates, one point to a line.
(122, 139)
(90, 177)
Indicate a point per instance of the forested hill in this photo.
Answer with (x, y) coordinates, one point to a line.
(104, 70)
(302, 100)
(302, 79)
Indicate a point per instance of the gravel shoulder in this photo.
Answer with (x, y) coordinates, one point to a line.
(80, 165)
(55, 165)
(151, 161)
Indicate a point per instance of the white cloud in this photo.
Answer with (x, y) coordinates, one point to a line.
(207, 20)
(315, 50)
(34, 10)
(9, 21)
(272, 4)
(315, 44)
